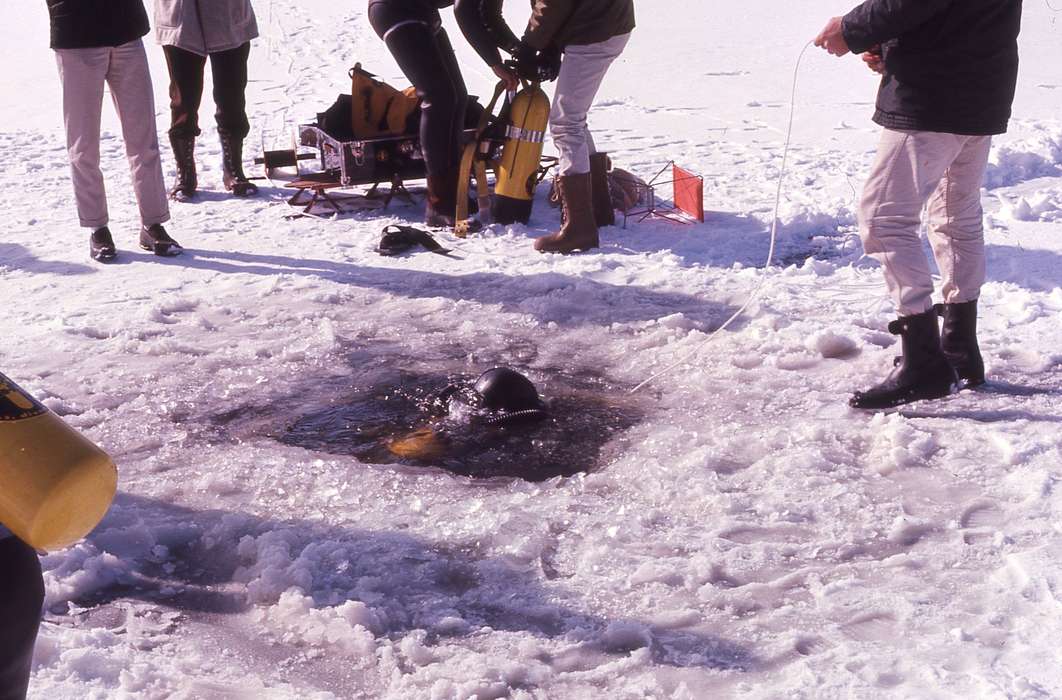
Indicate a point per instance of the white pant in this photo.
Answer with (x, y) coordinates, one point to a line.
(942, 172)
(124, 69)
(581, 73)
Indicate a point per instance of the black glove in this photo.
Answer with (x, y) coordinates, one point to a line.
(549, 63)
(537, 66)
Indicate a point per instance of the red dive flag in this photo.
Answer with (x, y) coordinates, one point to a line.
(689, 193)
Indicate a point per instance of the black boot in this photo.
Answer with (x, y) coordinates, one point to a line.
(604, 214)
(232, 167)
(184, 154)
(958, 340)
(101, 245)
(922, 373)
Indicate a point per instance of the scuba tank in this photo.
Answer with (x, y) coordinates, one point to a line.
(516, 174)
(55, 485)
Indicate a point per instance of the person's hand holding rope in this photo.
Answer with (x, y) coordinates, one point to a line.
(832, 38)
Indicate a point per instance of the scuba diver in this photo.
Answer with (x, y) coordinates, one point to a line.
(413, 32)
(500, 398)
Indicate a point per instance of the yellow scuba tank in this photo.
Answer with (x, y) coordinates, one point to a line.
(516, 173)
(55, 485)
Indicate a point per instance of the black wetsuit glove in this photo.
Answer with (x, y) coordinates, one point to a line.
(537, 66)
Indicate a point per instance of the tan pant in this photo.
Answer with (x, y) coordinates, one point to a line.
(582, 72)
(943, 173)
(83, 73)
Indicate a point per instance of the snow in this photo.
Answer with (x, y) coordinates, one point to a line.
(748, 536)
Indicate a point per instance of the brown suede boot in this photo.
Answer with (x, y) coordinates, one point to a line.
(579, 231)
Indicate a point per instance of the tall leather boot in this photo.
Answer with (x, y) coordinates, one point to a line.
(922, 373)
(232, 167)
(579, 231)
(604, 214)
(958, 340)
(184, 154)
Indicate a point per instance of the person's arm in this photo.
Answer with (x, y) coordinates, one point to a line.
(490, 12)
(472, 26)
(877, 21)
(547, 18)
(482, 24)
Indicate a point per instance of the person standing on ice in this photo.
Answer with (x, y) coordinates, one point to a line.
(21, 598)
(190, 32)
(949, 73)
(98, 43)
(413, 32)
(591, 34)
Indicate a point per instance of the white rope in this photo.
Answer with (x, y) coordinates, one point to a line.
(770, 252)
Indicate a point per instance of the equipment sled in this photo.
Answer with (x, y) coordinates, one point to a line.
(371, 139)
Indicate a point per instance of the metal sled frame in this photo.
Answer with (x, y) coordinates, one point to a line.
(319, 184)
(656, 208)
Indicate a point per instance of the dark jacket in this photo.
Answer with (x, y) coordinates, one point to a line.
(564, 23)
(485, 29)
(950, 65)
(83, 24)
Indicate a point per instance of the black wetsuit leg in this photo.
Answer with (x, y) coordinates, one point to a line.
(21, 597)
(423, 51)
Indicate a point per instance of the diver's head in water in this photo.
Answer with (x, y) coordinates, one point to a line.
(499, 397)
(509, 397)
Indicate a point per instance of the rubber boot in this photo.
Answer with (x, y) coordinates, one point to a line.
(232, 167)
(604, 214)
(578, 232)
(442, 201)
(441, 209)
(923, 372)
(185, 185)
(958, 340)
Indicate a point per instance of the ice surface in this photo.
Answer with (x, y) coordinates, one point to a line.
(746, 535)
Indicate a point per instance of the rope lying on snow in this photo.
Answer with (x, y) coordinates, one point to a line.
(770, 252)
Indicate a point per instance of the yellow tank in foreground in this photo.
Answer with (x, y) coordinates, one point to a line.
(55, 484)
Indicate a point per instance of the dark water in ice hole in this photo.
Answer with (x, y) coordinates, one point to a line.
(385, 398)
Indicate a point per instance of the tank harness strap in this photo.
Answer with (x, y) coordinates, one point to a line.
(468, 159)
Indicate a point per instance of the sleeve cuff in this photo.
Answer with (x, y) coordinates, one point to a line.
(855, 36)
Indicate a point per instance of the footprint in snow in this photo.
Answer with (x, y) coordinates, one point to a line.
(870, 627)
(981, 514)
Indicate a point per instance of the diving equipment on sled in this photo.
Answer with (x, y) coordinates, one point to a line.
(55, 485)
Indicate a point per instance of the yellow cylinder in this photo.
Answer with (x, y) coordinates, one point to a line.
(422, 444)
(55, 485)
(514, 189)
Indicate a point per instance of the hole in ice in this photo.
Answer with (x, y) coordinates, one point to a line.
(385, 410)
(397, 420)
